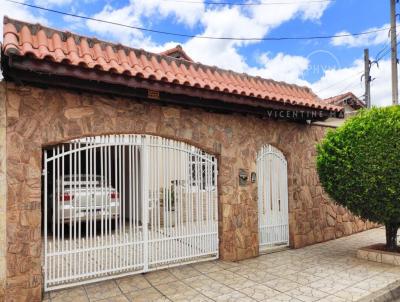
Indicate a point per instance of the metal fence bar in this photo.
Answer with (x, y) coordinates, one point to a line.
(124, 204)
(272, 198)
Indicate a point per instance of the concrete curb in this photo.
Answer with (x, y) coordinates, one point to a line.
(386, 294)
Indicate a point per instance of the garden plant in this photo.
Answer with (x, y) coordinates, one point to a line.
(359, 167)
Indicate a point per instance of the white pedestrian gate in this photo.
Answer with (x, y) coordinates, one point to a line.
(273, 209)
(123, 204)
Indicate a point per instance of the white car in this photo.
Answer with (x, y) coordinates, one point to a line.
(79, 198)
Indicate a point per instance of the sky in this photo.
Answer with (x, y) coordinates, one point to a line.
(328, 66)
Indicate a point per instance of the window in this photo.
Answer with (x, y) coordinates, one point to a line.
(202, 173)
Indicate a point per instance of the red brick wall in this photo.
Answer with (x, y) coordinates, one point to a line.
(38, 117)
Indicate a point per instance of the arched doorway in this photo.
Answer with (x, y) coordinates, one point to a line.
(122, 204)
(273, 211)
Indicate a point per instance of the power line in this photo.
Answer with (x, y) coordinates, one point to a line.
(347, 88)
(340, 82)
(247, 4)
(383, 49)
(384, 54)
(195, 36)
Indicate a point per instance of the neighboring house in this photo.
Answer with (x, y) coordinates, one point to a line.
(116, 161)
(178, 53)
(349, 102)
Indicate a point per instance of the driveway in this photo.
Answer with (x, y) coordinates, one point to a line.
(328, 271)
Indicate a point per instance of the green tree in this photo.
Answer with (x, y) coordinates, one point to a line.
(359, 167)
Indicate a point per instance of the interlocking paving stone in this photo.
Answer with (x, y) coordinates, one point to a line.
(328, 285)
(352, 293)
(102, 290)
(231, 279)
(307, 294)
(208, 287)
(332, 298)
(176, 289)
(374, 284)
(147, 295)
(326, 272)
(234, 296)
(160, 277)
(195, 298)
(256, 275)
(282, 284)
(120, 298)
(184, 272)
(282, 298)
(227, 264)
(260, 292)
(303, 278)
(76, 294)
(132, 283)
(208, 267)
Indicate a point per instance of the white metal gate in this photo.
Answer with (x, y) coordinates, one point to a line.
(124, 204)
(273, 212)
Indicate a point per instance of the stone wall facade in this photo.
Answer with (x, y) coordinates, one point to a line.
(38, 117)
(3, 190)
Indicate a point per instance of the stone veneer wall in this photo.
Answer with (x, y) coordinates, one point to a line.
(38, 117)
(3, 190)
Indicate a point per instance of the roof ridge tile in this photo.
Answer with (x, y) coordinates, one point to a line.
(22, 38)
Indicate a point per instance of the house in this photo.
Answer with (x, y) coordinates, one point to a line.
(351, 105)
(116, 161)
(348, 101)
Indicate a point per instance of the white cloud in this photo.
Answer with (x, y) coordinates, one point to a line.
(126, 15)
(141, 13)
(216, 20)
(234, 21)
(47, 3)
(75, 24)
(188, 14)
(282, 67)
(374, 38)
(274, 15)
(381, 88)
(19, 12)
(338, 81)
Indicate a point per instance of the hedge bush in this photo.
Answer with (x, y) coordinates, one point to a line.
(359, 167)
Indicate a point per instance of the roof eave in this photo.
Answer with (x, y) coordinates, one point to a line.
(80, 76)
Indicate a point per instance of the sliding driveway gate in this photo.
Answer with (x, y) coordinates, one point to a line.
(273, 211)
(124, 204)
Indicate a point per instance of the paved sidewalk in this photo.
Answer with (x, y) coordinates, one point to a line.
(323, 272)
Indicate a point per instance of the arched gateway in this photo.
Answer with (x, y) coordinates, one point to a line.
(122, 204)
(273, 211)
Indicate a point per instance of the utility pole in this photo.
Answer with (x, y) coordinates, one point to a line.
(393, 35)
(367, 78)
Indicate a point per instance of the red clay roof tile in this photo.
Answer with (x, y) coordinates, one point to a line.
(24, 39)
(345, 98)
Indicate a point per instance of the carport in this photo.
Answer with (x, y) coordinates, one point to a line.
(122, 204)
